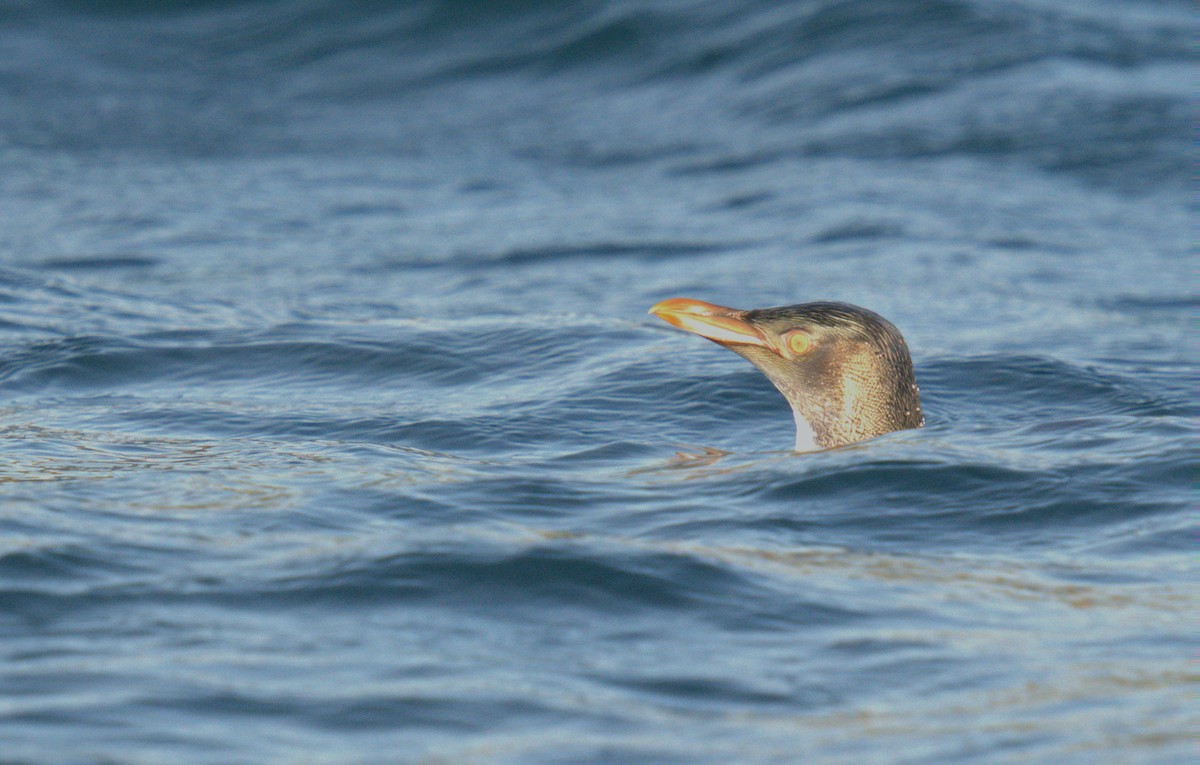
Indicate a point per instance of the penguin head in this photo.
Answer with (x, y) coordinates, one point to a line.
(845, 371)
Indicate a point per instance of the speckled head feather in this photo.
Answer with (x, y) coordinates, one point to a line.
(845, 371)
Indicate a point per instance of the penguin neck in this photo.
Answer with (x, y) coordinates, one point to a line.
(806, 437)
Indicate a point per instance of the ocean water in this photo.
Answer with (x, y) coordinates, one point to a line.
(333, 428)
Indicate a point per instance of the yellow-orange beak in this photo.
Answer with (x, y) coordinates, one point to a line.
(717, 323)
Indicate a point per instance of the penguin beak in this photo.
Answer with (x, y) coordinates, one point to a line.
(717, 323)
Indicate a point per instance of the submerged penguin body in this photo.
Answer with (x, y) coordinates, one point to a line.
(845, 371)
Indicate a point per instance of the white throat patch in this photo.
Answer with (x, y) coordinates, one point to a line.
(806, 438)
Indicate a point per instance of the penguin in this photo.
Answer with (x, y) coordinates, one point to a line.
(845, 371)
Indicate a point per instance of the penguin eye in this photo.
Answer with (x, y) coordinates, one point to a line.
(798, 342)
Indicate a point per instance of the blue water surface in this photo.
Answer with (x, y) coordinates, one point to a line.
(333, 428)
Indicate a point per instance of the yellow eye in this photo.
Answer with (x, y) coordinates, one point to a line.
(799, 343)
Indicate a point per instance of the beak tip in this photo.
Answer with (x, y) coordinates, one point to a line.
(684, 305)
